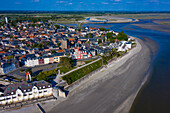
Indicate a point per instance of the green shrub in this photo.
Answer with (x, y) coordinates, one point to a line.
(72, 77)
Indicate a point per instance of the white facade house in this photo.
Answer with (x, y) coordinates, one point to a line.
(23, 91)
(124, 45)
(31, 62)
(71, 29)
(46, 60)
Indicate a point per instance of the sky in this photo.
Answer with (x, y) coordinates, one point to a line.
(86, 5)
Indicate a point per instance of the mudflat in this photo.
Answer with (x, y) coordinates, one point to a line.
(159, 25)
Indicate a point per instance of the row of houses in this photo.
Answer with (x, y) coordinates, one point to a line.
(24, 91)
(34, 61)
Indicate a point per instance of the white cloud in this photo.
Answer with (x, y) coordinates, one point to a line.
(61, 2)
(93, 3)
(105, 3)
(117, 0)
(129, 2)
(70, 3)
(18, 3)
(36, 0)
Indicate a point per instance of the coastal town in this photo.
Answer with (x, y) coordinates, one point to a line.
(27, 45)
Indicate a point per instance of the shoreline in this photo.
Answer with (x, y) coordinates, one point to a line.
(83, 90)
(128, 101)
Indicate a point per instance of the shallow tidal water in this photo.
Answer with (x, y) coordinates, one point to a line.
(154, 97)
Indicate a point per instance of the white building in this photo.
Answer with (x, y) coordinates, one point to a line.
(23, 91)
(46, 60)
(31, 62)
(124, 45)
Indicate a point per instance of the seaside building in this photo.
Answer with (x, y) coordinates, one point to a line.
(23, 91)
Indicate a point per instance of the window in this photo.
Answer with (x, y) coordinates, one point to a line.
(25, 94)
(28, 89)
(23, 85)
(24, 90)
(28, 85)
(48, 85)
(12, 92)
(12, 87)
(8, 88)
(43, 86)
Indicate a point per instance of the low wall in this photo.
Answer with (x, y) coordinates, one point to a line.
(20, 104)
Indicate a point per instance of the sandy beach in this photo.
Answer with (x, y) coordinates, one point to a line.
(112, 90)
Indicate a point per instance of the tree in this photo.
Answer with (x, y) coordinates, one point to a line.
(103, 29)
(122, 36)
(90, 35)
(66, 62)
(99, 41)
(57, 26)
(10, 57)
(53, 51)
(58, 44)
(109, 35)
(45, 43)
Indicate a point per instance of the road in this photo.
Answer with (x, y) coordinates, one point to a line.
(16, 73)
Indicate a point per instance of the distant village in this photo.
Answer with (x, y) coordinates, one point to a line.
(29, 44)
(32, 44)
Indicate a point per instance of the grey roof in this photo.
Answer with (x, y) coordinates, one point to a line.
(23, 86)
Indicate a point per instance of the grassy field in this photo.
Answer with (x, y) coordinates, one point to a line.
(70, 17)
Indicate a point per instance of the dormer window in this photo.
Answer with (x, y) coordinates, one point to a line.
(24, 90)
(39, 87)
(28, 89)
(43, 86)
(12, 92)
(48, 85)
(8, 88)
(28, 85)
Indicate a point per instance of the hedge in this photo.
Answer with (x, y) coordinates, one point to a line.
(73, 76)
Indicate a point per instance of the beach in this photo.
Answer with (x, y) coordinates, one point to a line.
(112, 89)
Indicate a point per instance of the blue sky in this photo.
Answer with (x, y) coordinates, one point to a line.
(86, 5)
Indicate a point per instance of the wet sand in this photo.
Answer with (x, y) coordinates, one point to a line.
(156, 25)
